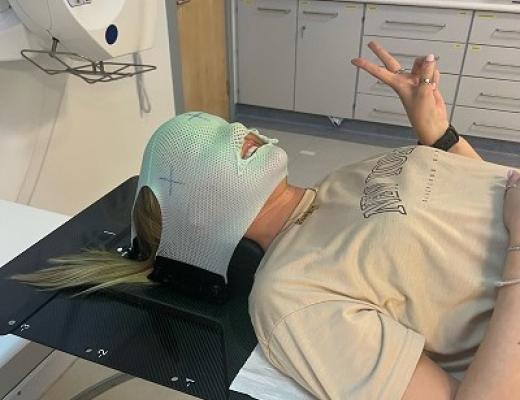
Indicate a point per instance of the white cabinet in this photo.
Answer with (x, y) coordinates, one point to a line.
(492, 62)
(449, 55)
(266, 32)
(490, 123)
(488, 102)
(388, 110)
(328, 38)
(408, 33)
(370, 85)
(295, 55)
(489, 94)
(499, 29)
(418, 22)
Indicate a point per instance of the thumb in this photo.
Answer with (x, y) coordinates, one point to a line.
(439, 100)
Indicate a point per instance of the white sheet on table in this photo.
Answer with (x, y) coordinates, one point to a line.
(258, 379)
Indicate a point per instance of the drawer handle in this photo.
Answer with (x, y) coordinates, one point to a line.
(498, 97)
(495, 127)
(406, 55)
(333, 15)
(506, 31)
(389, 112)
(280, 10)
(502, 65)
(416, 24)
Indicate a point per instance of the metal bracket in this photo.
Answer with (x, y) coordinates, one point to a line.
(92, 72)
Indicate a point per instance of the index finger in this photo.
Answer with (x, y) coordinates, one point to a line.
(376, 71)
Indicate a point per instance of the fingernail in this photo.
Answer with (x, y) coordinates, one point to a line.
(430, 57)
(509, 173)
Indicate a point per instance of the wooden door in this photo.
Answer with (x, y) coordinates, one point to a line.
(202, 45)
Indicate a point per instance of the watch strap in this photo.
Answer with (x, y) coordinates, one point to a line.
(446, 141)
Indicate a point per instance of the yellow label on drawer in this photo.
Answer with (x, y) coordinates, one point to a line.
(247, 2)
(457, 45)
(372, 7)
(350, 6)
(486, 15)
(462, 12)
(475, 48)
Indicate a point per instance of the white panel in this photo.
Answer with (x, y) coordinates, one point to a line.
(449, 55)
(487, 123)
(418, 23)
(266, 32)
(498, 29)
(328, 38)
(489, 93)
(492, 62)
(370, 85)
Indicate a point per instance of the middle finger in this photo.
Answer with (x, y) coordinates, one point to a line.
(417, 65)
(388, 60)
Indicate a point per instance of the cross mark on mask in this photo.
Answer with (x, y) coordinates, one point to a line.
(171, 181)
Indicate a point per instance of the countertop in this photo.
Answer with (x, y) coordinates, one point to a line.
(484, 5)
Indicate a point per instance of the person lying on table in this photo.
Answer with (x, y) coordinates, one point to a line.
(389, 274)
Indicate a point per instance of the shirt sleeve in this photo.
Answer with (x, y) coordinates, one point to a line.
(344, 350)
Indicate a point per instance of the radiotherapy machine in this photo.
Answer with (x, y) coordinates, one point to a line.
(77, 36)
(189, 336)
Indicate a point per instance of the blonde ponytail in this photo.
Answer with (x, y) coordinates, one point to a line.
(101, 269)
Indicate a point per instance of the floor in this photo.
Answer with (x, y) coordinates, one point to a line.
(311, 158)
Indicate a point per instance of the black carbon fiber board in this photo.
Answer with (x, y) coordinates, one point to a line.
(96, 226)
(149, 332)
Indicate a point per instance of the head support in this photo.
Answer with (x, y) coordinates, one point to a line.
(208, 194)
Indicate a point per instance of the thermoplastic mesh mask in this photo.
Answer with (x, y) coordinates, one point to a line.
(208, 194)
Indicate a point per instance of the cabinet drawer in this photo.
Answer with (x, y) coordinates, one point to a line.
(266, 52)
(417, 22)
(492, 62)
(388, 110)
(328, 38)
(489, 93)
(487, 123)
(370, 85)
(499, 29)
(449, 55)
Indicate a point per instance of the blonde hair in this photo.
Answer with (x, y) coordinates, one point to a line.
(101, 269)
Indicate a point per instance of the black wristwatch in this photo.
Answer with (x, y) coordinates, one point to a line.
(447, 141)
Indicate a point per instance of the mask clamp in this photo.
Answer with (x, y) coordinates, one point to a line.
(202, 284)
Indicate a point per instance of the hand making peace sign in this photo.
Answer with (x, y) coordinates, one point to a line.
(417, 89)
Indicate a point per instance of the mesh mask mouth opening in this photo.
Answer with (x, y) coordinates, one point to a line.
(242, 132)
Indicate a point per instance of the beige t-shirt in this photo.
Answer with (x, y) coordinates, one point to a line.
(401, 256)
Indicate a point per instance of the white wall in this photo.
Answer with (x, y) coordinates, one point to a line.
(29, 104)
(96, 140)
